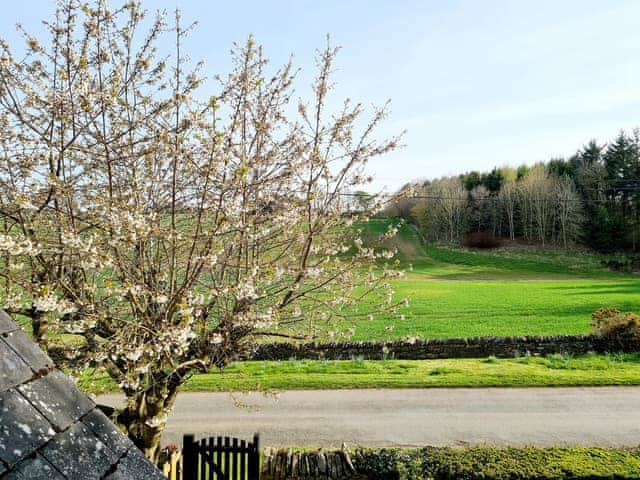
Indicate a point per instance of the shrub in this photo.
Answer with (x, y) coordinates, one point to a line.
(381, 464)
(483, 240)
(494, 463)
(615, 265)
(610, 322)
(628, 264)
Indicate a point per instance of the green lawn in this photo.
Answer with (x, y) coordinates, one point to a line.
(456, 292)
(555, 370)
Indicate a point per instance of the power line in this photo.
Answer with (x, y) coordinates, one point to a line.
(481, 199)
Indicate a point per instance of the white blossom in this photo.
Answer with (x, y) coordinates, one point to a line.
(164, 228)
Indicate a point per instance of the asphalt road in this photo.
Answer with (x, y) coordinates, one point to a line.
(604, 416)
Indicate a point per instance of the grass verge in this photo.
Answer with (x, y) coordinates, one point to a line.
(553, 370)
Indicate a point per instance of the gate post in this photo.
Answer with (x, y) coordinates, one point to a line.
(189, 458)
(256, 441)
(254, 458)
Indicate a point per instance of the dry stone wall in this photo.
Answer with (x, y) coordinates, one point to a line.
(477, 347)
(426, 349)
(286, 464)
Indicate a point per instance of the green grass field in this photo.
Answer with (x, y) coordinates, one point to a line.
(456, 292)
(516, 290)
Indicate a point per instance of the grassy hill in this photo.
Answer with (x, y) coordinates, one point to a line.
(513, 290)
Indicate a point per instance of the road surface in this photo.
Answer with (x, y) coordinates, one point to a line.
(604, 416)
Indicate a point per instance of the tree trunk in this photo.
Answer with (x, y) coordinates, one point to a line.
(144, 417)
(40, 326)
(512, 228)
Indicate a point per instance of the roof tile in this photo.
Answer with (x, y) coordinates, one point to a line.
(57, 398)
(107, 432)
(78, 454)
(28, 351)
(13, 475)
(37, 468)
(6, 323)
(13, 370)
(22, 430)
(135, 465)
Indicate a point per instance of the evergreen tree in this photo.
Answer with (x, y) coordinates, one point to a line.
(493, 180)
(470, 180)
(522, 171)
(559, 167)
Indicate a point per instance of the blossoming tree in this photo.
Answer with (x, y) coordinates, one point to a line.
(169, 233)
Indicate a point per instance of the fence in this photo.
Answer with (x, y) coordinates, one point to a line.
(172, 466)
(220, 458)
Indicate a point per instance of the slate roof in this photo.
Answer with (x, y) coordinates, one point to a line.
(49, 429)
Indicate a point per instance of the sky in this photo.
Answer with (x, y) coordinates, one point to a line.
(475, 84)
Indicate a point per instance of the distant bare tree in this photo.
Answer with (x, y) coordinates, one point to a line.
(508, 198)
(480, 208)
(567, 210)
(451, 202)
(537, 192)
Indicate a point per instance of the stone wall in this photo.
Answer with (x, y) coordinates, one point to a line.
(477, 347)
(428, 349)
(286, 464)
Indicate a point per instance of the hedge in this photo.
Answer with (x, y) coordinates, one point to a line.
(492, 463)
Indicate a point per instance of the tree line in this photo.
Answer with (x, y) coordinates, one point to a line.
(591, 198)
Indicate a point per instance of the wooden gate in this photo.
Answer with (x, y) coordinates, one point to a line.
(220, 458)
